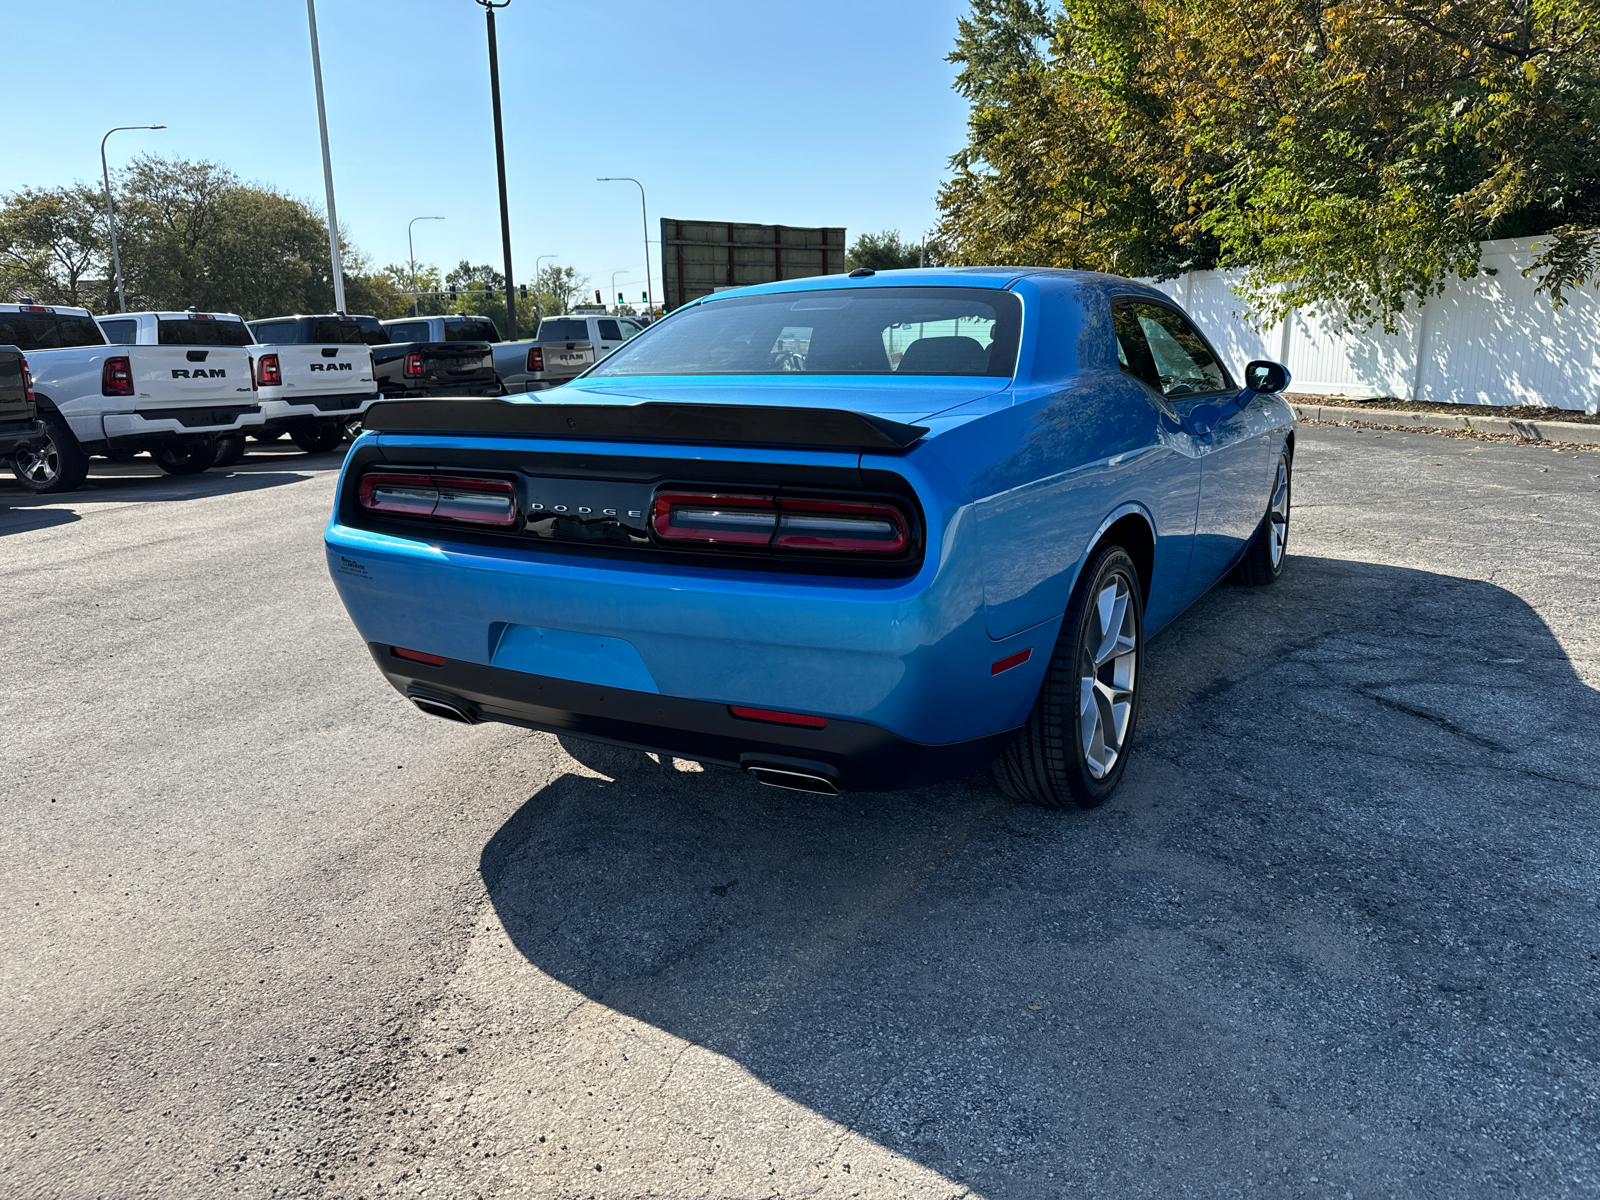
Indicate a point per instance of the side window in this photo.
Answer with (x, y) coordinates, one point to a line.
(609, 332)
(628, 328)
(1183, 365)
(1133, 350)
(120, 333)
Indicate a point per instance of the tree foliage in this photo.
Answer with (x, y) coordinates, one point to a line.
(885, 251)
(189, 233)
(1350, 154)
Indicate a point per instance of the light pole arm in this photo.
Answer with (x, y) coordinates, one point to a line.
(644, 214)
(111, 213)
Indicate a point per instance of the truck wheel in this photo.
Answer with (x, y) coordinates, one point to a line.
(229, 450)
(1075, 745)
(267, 435)
(187, 457)
(319, 437)
(61, 466)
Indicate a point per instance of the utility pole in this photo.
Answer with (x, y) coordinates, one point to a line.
(645, 213)
(111, 214)
(500, 164)
(327, 165)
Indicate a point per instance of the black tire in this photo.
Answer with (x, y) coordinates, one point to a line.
(61, 466)
(267, 435)
(229, 450)
(1269, 546)
(1049, 763)
(318, 438)
(190, 456)
(353, 427)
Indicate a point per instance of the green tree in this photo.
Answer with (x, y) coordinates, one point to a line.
(883, 252)
(559, 289)
(1350, 154)
(53, 244)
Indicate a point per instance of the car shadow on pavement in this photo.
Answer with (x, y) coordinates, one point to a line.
(1336, 931)
(137, 488)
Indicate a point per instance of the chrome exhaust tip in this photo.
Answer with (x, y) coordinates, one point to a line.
(447, 709)
(793, 779)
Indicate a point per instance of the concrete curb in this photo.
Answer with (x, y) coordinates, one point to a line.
(1548, 431)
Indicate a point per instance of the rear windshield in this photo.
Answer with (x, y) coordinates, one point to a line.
(48, 331)
(557, 330)
(186, 331)
(336, 333)
(415, 331)
(372, 333)
(843, 331)
(458, 330)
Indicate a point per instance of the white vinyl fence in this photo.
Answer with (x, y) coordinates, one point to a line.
(1488, 340)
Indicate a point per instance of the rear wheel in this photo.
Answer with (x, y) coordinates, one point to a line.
(59, 466)
(1263, 558)
(229, 450)
(318, 437)
(1074, 747)
(189, 456)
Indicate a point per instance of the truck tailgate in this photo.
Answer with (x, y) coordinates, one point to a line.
(179, 376)
(321, 370)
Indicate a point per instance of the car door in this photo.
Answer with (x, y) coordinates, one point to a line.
(1163, 350)
(608, 336)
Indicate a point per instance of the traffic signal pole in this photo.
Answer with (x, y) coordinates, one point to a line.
(500, 162)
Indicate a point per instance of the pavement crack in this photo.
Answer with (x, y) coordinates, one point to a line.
(1444, 723)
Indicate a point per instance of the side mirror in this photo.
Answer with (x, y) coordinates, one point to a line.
(1264, 377)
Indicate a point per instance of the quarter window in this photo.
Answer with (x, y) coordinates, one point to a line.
(609, 331)
(1159, 346)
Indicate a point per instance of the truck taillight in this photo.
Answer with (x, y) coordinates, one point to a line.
(268, 373)
(535, 358)
(372, 365)
(414, 365)
(446, 497)
(780, 522)
(27, 382)
(116, 377)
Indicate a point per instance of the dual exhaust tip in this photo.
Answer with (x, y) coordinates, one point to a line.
(794, 777)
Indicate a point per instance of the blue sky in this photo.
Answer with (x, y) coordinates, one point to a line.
(831, 112)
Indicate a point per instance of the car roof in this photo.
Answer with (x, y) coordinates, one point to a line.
(55, 308)
(996, 277)
(315, 317)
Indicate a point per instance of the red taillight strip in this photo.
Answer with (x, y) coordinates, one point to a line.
(413, 365)
(116, 376)
(446, 497)
(713, 518)
(431, 660)
(773, 717)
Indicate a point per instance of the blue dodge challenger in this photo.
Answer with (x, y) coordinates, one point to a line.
(858, 532)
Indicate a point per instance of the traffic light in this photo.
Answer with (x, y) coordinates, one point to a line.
(597, 299)
(620, 300)
(523, 290)
(452, 293)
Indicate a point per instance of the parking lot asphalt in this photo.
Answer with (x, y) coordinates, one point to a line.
(271, 932)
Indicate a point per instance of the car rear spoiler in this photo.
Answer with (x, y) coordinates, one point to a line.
(651, 421)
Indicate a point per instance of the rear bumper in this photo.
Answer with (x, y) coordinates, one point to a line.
(219, 418)
(21, 435)
(854, 755)
(281, 414)
(424, 389)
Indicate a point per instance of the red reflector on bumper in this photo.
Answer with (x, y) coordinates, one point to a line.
(1011, 660)
(432, 660)
(776, 718)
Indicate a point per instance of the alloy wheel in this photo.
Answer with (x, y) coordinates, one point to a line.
(1278, 514)
(40, 467)
(1106, 675)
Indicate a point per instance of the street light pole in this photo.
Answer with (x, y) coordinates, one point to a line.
(500, 164)
(327, 165)
(645, 213)
(413, 251)
(614, 275)
(538, 304)
(111, 214)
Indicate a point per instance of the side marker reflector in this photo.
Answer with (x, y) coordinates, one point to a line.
(432, 660)
(776, 718)
(1012, 660)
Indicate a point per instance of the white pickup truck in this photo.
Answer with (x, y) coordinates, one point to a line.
(529, 366)
(315, 374)
(607, 333)
(174, 399)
